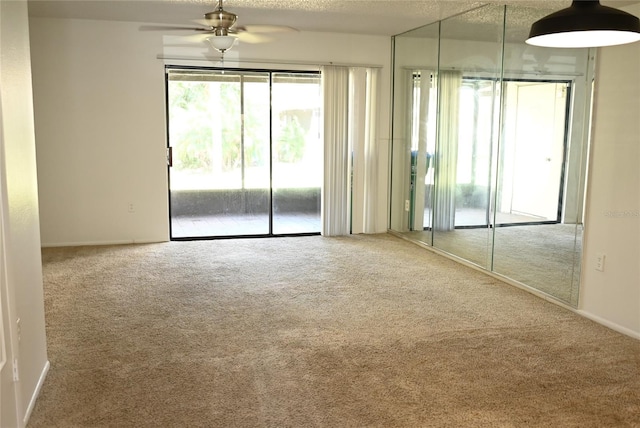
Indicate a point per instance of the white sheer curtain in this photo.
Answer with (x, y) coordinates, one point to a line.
(357, 119)
(351, 151)
(371, 150)
(335, 211)
(364, 147)
(447, 158)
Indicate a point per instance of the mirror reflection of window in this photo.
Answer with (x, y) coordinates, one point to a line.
(532, 152)
(423, 146)
(534, 140)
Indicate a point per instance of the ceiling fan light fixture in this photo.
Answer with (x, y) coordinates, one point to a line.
(222, 43)
(585, 24)
(220, 18)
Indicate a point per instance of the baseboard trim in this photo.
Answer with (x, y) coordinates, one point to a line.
(100, 243)
(613, 326)
(36, 393)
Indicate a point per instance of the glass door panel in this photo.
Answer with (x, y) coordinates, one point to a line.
(297, 153)
(219, 135)
(246, 153)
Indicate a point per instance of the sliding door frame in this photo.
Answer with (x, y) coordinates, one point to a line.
(241, 72)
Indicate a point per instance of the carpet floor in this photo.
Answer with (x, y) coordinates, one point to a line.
(358, 331)
(545, 257)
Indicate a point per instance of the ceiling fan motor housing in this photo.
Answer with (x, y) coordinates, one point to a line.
(221, 20)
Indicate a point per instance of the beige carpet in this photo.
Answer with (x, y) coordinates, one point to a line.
(361, 331)
(545, 256)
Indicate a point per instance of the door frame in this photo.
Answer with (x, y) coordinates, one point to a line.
(271, 214)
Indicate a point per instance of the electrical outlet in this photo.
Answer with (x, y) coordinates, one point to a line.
(407, 205)
(600, 262)
(132, 209)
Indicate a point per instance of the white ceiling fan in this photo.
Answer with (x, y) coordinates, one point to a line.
(219, 29)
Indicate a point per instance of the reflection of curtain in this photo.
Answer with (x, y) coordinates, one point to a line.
(447, 156)
(335, 189)
(349, 136)
(421, 158)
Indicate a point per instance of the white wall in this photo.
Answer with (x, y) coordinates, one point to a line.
(613, 198)
(100, 120)
(22, 276)
(99, 114)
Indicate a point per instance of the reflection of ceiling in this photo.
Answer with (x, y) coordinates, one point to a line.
(485, 23)
(381, 17)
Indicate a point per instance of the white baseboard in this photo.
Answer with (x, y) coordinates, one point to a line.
(36, 393)
(100, 243)
(609, 324)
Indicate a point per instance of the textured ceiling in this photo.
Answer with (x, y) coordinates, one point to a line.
(381, 17)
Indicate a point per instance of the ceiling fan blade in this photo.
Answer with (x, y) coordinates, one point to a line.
(168, 28)
(180, 45)
(203, 22)
(258, 28)
(198, 38)
(247, 37)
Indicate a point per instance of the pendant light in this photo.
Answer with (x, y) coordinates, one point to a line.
(585, 24)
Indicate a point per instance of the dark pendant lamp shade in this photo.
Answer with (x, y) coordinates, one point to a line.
(585, 24)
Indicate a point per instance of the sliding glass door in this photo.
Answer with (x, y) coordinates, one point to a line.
(243, 153)
(297, 153)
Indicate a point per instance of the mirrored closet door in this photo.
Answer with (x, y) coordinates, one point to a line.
(490, 147)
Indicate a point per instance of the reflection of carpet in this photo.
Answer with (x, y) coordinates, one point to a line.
(540, 256)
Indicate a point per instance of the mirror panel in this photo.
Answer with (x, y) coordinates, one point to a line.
(547, 94)
(494, 157)
(469, 100)
(414, 131)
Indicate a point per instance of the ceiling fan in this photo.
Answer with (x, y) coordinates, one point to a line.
(219, 29)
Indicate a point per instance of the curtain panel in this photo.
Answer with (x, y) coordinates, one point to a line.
(350, 186)
(335, 211)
